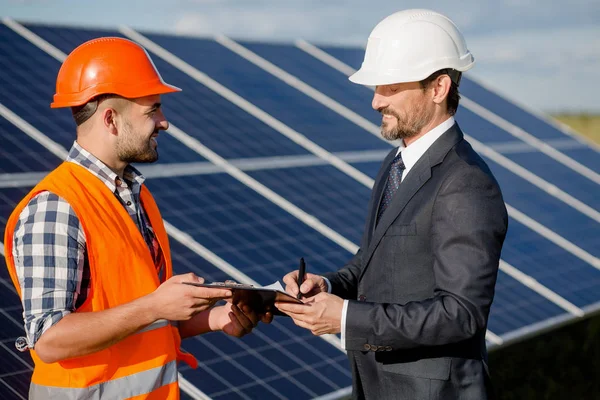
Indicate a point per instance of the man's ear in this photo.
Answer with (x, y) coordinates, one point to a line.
(440, 88)
(109, 120)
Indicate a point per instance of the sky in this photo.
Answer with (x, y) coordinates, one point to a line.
(544, 55)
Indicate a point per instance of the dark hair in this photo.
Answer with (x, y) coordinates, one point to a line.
(453, 95)
(84, 112)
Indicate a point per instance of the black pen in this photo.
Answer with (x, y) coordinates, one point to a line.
(301, 272)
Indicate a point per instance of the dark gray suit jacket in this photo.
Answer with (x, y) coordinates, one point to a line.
(422, 283)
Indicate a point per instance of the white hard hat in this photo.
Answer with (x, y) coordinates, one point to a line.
(410, 45)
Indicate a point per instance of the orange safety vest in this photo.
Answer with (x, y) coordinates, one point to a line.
(143, 365)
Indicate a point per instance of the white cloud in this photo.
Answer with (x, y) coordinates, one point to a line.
(329, 25)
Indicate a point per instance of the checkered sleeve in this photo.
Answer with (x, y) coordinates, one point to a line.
(49, 253)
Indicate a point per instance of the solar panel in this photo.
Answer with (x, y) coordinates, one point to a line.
(306, 150)
(22, 157)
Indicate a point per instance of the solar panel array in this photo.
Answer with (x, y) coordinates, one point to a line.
(270, 158)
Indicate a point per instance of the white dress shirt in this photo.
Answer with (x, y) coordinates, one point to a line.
(410, 155)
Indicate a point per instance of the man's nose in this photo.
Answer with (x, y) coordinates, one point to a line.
(379, 101)
(162, 123)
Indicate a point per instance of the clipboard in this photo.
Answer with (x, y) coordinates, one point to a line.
(260, 299)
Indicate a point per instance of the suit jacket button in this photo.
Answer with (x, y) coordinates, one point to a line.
(367, 346)
(362, 297)
(373, 347)
(388, 348)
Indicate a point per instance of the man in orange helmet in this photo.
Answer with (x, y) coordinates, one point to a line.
(88, 252)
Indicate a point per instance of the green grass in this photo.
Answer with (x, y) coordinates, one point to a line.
(560, 364)
(587, 125)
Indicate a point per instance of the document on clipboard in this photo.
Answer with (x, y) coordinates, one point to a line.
(260, 299)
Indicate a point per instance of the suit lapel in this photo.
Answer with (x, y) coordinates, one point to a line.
(419, 174)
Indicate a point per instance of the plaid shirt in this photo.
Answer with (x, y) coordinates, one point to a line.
(50, 250)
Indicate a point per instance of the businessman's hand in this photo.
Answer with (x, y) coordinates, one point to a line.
(320, 314)
(313, 284)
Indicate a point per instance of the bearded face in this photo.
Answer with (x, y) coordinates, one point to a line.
(137, 145)
(407, 121)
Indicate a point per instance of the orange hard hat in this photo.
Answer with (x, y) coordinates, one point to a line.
(107, 65)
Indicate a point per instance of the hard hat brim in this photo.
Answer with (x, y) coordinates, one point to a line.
(133, 92)
(369, 77)
(375, 78)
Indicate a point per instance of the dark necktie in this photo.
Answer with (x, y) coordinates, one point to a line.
(392, 184)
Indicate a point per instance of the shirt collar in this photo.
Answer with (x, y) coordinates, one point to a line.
(412, 153)
(80, 156)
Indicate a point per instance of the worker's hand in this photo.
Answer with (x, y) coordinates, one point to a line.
(236, 320)
(176, 301)
(231, 320)
(266, 317)
(313, 284)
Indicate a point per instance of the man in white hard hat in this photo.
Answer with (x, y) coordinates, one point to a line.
(412, 305)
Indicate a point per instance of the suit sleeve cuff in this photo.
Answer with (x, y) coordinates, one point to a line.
(359, 330)
(328, 284)
(343, 324)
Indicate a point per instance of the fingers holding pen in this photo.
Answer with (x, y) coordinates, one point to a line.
(311, 285)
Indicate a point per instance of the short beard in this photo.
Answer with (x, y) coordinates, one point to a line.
(131, 149)
(407, 126)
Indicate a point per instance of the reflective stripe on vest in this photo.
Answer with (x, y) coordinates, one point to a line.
(161, 323)
(126, 387)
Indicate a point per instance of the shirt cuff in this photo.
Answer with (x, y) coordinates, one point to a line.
(343, 327)
(328, 284)
(35, 327)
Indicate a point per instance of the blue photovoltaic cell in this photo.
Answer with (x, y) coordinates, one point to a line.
(551, 265)
(28, 81)
(578, 186)
(510, 299)
(11, 317)
(369, 168)
(590, 154)
(15, 387)
(275, 352)
(9, 198)
(15, 367)
(320, 76)
(243, 228)
(9, 297)
(351, 56)
(549, 211)
(536, 162)
(531, 123)
(337, 200)
(319, 124)
(20, 153)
